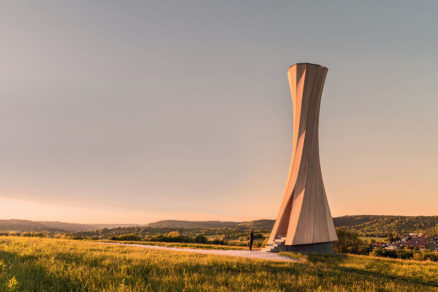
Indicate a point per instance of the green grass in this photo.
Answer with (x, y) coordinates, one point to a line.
(408, 270)
(43, 264)
(182, 245)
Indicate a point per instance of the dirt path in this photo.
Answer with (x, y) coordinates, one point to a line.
(234, 253)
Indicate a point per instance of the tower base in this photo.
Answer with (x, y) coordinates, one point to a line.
(322, 247)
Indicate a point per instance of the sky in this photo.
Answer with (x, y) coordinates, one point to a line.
(137, 111)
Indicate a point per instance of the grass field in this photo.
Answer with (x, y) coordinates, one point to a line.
(182, 245)
(42, 264)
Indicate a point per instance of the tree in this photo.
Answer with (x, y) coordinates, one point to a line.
(349, 242)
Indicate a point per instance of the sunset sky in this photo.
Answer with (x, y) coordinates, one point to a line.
(136, 111)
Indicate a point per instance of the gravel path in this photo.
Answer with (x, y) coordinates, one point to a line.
(234, 253)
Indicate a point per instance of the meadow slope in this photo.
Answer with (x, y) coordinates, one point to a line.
(42, 264)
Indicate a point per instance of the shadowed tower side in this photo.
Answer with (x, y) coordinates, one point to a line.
(304, 222)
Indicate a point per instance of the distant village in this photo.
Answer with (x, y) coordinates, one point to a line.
(411, 240)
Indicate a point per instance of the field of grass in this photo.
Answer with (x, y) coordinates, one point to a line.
(43, 264)
(408, 270)
(182, 245)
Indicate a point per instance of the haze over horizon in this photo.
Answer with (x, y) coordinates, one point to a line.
(135, 112)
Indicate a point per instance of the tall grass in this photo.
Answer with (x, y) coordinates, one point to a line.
(42, 264)
(181, 245)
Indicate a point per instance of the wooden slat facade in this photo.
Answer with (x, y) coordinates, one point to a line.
(304, 216)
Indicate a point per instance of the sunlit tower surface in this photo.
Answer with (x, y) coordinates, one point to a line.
(304, 222)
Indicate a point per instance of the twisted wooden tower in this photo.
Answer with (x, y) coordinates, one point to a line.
(304, 222)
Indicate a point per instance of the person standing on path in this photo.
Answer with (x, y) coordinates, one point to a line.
(251, 239)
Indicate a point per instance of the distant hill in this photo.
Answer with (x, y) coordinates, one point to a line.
(192, 224)
(366, 224)
(19, 225)
(381, 225)
(265, 224)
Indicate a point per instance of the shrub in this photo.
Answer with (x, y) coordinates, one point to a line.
(126, 237)
(433, 256)
(218, 241)
(419, 256)
(201, 239)
(33, 234)
(173, 234)
(258, 244)
(349, 242)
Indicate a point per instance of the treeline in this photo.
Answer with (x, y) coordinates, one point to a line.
(262, 224)
(215, 236)
(25, 234)
(170, 237)
(374, 225)
(148, 233)
(406, 253)
(175, 236)
(350, 242)
(365, 225)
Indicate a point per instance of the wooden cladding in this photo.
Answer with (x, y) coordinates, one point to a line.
(304, 216)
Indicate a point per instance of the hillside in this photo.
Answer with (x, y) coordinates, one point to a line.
(192, 224)
(381, 225)
(264, 224)
(365, 224)
(51, 226)
(43, 264)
